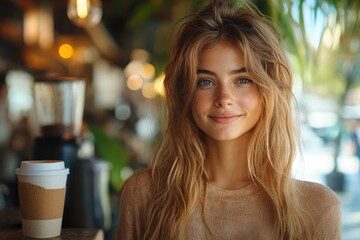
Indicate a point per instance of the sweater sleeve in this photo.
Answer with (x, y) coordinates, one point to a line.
(133, 205)
(329, 227)
(325, 208)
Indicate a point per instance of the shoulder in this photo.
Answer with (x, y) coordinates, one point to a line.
(319, 200)
(314, 192)
(142, 176)
(134, 200)
(138, 185)
(324, 208)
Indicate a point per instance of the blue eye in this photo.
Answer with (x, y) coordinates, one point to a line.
(243, 81)
(205, 83)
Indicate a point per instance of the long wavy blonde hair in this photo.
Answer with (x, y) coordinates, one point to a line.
(179, 164)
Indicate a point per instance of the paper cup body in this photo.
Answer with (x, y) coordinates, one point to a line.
(42, 189)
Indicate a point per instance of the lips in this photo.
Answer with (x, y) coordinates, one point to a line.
(225, 118)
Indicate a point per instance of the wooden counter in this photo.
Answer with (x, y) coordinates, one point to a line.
(66, 234)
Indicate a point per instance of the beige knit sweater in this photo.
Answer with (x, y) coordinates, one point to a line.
(245, 213)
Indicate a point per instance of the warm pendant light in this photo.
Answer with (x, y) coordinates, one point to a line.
(85, 13)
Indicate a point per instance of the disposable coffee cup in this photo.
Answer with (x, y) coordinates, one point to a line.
(42, 189)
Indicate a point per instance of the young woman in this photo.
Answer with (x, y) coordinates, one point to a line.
(223, 168)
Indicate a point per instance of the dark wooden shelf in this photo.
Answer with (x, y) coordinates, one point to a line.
(66, 234)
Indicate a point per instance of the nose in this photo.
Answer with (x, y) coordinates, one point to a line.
(223, 97)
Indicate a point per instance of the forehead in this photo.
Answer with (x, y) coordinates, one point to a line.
(221, 55)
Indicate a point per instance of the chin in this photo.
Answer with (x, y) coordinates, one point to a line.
(228, 136)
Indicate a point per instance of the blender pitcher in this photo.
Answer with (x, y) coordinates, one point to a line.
(59, 103)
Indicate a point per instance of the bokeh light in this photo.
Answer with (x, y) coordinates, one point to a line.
(66, 51)
(135, 82)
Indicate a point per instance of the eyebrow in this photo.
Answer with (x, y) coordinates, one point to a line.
(204, 71)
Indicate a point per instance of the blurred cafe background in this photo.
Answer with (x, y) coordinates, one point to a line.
(95, 68)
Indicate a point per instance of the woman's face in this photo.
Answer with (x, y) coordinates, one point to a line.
(226, 102)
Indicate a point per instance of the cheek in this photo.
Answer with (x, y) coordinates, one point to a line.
(199, 103)
(194, 107)
(251, 101)
(199, 107)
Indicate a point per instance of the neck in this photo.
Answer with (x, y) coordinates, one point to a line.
(226, 162)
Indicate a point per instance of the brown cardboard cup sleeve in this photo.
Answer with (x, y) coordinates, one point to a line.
(38, 203)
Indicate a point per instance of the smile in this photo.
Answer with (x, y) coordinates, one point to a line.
(225, 119)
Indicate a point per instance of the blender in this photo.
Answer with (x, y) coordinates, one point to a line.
(59, 103)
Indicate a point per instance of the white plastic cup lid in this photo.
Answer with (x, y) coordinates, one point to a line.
(42, 168)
